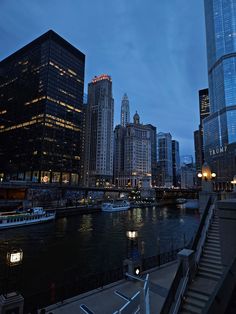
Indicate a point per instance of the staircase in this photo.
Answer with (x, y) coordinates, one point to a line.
(209, 271)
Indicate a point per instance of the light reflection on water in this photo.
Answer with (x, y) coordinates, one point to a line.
(96, 242)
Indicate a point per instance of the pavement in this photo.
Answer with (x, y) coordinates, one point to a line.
(106, 301)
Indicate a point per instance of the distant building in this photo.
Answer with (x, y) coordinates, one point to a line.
(41, 111)
(204, 110)
(164, 160)
(186, 160)
(188, 177)
(176, 163)
(220, 126)
(125, 113)
(133, 154)
(99, 132)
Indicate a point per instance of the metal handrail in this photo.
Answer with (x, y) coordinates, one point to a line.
(201, 225)
(182, 291)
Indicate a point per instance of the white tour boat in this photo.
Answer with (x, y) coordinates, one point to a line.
(24, 218)
(115, 206)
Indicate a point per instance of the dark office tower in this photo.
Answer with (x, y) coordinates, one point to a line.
(220, 125)
(204, 111)
(198, 146)
(175, 163)
(153, 138)
(125, 115)
(99, 129)
(41, 111)
(119, 158)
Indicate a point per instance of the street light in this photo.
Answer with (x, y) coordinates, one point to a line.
(132, 234)
(234, 182)
(206, 173)
(14, 257)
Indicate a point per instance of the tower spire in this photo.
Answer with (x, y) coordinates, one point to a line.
(125, 114)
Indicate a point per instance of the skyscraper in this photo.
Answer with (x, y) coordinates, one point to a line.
(125, 115)
(41, 111)
(176, 163)
(133, 153)
(164, 159)
(99, 132)
(204, 104)
(204, 111)
(220, 125)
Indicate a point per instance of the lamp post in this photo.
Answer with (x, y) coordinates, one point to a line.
(234, 183)
(14, 258)
(11, 301)
(207, 177)
(133, 263)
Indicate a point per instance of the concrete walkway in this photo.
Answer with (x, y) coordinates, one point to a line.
(105, 301)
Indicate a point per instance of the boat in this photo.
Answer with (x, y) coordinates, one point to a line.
(31, 216)
(180, 200)
(115, 206)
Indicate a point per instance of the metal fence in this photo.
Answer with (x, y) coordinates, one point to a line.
(75, 284)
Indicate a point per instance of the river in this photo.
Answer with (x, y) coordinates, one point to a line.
(93, 243)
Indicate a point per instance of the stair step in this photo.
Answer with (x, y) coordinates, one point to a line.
(214, 241)
(197, 295)
(191, 309)
(213, 248)
(213, 232)
(210, 265)
(208, 275)
(210, 270)
(211, 260)
(213, 237)
(195, 302)
(192, 289)
(212, 252)
(215, 245)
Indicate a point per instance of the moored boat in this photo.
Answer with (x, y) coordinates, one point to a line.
(24, 218)
(115, 206)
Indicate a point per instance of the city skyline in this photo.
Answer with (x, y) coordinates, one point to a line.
(171, 58)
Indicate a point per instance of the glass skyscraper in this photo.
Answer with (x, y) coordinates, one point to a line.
(220, 125)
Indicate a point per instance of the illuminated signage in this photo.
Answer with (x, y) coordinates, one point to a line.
(217, 150)
(101, 77)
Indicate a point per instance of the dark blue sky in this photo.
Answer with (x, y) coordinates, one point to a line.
(154, 50)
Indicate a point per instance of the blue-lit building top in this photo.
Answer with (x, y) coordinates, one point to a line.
(220, 125)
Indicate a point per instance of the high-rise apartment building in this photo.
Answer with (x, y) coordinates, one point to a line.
(220, 125)
(133, 153)
(41, 111)
(99, 132)
(176, 163)
(125, 113)
(164, 159)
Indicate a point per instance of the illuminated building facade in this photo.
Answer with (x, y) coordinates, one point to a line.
(204, 110)
(41, 111)
(125, 114)
(133, 153)
(99, 132)
(220, 126)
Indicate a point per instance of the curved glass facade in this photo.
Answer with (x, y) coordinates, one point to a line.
(220, 126)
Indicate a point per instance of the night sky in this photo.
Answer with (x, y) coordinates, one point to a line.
(154, 50)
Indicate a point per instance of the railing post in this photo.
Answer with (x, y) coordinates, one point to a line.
(187, 258)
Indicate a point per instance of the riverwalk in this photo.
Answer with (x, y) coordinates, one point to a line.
(105, 301)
